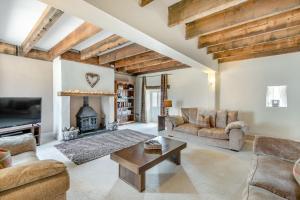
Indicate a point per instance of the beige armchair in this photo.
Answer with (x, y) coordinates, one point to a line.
(30, 177)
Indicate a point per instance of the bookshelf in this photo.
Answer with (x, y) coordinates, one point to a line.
(124, 102)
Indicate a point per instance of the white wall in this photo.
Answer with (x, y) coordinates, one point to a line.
(243, 87)
(188, 88)
(25, 77)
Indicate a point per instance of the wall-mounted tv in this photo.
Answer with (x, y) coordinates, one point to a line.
(19, 111)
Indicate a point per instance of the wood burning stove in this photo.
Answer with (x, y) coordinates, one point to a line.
(87, 117)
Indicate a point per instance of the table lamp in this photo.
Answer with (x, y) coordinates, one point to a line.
(167, 105)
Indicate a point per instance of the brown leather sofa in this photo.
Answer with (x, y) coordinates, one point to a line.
(29, 177)
(271, 176)
(221, 133)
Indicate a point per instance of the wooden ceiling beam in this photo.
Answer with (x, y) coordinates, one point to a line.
(76, 57)
(124, 52)
(47, 19)
(269, 24)
(189, 10)
(160, 67)
(260, 54)
(143, 3)
(249, 11)
(148, 63)
(281, 44)
(80, 34)
(111, 42)
(262, 38)
(14, 50)
(151, 55)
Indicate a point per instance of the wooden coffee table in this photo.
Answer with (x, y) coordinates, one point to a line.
(135, 160)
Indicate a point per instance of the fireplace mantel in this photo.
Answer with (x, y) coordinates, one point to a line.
(78, 93)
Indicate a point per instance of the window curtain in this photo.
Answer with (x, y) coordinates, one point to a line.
(143, 100)
(163, 93)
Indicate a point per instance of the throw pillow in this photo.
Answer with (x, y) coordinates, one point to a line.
(5, 159)
(212, 116)
(176, 120)
(203, 121)
(232, 116)
(221, 119)
(296, 171)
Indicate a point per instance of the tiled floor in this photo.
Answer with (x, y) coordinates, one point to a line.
(206, 173)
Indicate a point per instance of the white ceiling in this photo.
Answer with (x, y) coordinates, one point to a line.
(17, 17)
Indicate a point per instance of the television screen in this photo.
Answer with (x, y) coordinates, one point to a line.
(19, 111)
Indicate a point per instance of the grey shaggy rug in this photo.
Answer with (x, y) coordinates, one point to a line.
(96, 146)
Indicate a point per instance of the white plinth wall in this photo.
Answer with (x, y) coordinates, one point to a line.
(68, 75)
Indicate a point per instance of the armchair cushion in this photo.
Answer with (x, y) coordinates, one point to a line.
(176, 120)
(24, 158)
(282, 148)
(18, 144)
(275, 175)
(23, 174)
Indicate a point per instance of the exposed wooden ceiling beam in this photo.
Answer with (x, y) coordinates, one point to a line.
(124, 52)
(47, 19)
(8, 48)
(143, 3)
(151, 55)
(190, 10)
(74, 56)
(111, 42)
(262, 38)
(80, 34)
(269, 24)
(160, 67)
(14, 50)
(148, 63)
(260, 54)
(249, 11)
(287, 43)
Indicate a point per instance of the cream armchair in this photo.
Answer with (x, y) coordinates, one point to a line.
(30, 177)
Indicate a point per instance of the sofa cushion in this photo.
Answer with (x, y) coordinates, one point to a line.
(189, 115)
(18, 144)
(256, 193)
(176, 120)
(203, 121)
(232, 116)
(216, 133)
(23, 158)
(221, 119)
(187, 128)
(275, 175)
(211, 114)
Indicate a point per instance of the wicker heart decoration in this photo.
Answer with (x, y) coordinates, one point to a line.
(92, 79)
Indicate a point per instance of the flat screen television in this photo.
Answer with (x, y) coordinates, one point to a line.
(19, 111)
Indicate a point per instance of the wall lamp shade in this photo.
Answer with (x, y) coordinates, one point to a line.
(168, 103)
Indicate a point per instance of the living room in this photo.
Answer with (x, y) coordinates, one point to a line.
(149, 99)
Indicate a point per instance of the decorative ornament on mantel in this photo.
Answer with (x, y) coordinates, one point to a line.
(92, 79)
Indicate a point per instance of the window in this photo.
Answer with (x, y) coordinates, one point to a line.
(276, 96)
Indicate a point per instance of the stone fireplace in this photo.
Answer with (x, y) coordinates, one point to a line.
(78, 104)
